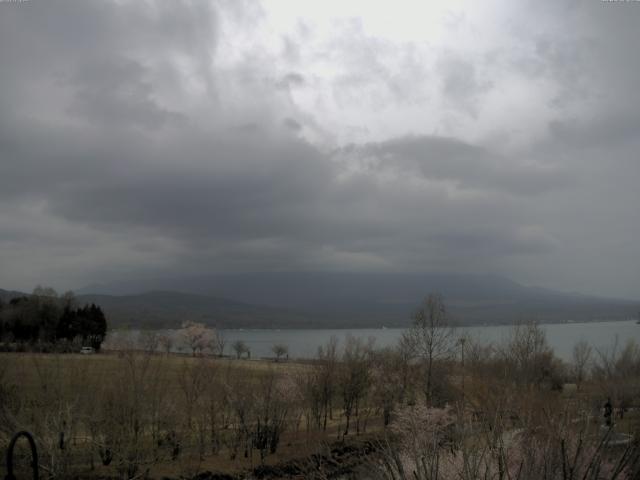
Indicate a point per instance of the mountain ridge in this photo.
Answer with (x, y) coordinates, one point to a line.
(338, 300)
(375, 299)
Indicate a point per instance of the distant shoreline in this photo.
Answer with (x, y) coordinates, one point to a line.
(383, 327)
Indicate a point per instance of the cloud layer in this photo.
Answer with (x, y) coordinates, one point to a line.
(170, 138)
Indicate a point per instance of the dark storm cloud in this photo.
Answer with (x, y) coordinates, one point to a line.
(245, 185)
(604, 132)
(128, 145)
(292, 124)
(117, 93)
(468, 166)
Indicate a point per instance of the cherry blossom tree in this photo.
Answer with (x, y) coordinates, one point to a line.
(197, 336)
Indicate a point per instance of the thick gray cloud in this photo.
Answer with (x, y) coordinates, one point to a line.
(143, 138)
(469, 167)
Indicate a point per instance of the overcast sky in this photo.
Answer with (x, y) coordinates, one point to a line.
(173, 138)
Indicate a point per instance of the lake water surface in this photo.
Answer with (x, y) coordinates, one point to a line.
(304, 343)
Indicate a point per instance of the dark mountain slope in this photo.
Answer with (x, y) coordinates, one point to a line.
(354, 299)
(169, 309)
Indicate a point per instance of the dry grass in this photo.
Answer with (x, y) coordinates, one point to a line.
(42, 386)
(27, 370)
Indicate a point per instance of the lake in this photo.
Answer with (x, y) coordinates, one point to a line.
(304, 343)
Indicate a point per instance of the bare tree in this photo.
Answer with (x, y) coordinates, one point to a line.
(613, 367)
(68, 300)
(272, 405)
(628, 363)
(404, 357)
(581, 358)
(280, 350)
(604, 365)
(354, 378)
(166, 343)
(388, 380)
(148, 341)
(327, 368)
(40, 291)
(192, 381)
(221, 342)
(431, 336)
(240, 348)
(241, 399)
(527, 355)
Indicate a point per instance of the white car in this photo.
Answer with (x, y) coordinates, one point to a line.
(87, 350)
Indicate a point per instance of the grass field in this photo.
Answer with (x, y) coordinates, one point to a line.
(28, 369)
(93, 398)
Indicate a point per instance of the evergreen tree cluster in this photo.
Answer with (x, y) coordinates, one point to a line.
(87, 323)
(46, 317)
